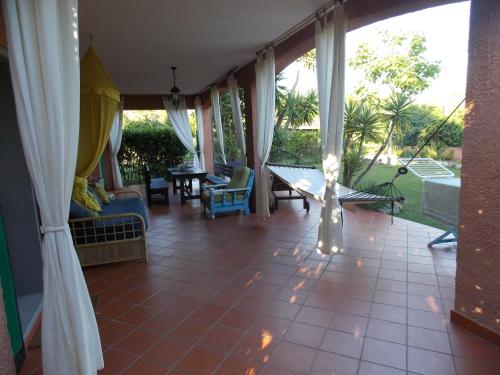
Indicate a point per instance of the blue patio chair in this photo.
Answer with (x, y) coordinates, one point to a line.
(229, 197)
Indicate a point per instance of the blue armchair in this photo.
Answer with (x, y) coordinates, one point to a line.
(229, 197)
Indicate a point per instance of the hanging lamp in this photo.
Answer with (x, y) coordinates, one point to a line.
(175, 96)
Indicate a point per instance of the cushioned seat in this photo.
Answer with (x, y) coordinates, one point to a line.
(234, 195)
(124, 206)
(158, 183)
(205, 196)
(215, 180)
(155, 186)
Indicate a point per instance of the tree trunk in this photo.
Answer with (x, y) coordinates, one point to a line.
(279, 121)
(360, 148)
(345, 176)
(380, 150)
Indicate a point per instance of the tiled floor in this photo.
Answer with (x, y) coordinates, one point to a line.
(241, 296)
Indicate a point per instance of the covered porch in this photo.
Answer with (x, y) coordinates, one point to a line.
(243, 295)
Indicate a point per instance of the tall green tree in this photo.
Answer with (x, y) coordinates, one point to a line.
(401, 65)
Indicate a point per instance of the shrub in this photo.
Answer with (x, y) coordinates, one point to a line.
(154, 144)
(446, 154)
(296, 147)
(406, 152)
(428, 152)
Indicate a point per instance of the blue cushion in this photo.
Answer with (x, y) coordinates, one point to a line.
(78, 211)
(158, 183)
(124, 206)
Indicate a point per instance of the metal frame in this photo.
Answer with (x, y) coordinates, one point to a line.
(415, 165)
(452, 231)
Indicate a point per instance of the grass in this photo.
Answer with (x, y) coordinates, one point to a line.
(411, 188)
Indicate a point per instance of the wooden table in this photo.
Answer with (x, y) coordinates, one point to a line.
(186, 177)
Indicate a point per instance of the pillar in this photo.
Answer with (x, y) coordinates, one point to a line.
(250, 99)
(107, 164)
(208, 146)
(477, 296)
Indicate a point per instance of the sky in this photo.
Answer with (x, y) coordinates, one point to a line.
(446, 29)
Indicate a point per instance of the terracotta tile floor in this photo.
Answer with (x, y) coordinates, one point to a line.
(240, 296)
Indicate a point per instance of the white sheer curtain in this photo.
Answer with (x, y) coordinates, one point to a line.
(234, 95)
(198, 110)
(180, 122)
(44, 60)
(115, 141)
(214, 97)
(265, 87)
(330, 67)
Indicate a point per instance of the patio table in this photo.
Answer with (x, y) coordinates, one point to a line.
(186, 177)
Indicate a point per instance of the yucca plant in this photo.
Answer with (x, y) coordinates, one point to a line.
(396, 113)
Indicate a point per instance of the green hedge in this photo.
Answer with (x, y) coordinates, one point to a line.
(154, 144)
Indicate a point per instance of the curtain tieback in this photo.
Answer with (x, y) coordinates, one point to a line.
(45, 229)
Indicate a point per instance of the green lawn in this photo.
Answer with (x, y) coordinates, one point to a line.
(411, 187)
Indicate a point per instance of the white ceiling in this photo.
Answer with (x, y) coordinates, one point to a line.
(138, 40)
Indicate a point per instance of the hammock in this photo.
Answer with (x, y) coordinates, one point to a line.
(310, 182)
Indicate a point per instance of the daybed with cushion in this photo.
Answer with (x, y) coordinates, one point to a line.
(116, 234)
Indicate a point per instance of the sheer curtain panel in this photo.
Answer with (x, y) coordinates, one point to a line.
(234, 95)
(330, 68)
(180, 122)
(115, 141)
(198, 110)
(44, 62)
(214, 97)
(266, 92)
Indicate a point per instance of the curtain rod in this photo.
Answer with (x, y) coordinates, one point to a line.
(332, 4)
(304, 23)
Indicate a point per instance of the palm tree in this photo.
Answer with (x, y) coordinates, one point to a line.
(396, 112)
(294, 109)
(362, 124)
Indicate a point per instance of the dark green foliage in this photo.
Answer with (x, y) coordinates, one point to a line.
(422, 123)
(231, 147)
(148, 142)
(296, 146)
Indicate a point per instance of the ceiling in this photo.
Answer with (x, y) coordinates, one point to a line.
(138, 40)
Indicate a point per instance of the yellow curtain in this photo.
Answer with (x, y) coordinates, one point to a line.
(99, 100)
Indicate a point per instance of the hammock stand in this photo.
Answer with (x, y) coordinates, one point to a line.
(387, 192)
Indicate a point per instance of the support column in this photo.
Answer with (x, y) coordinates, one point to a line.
(477, 297)
(250, 99)
(109, 180)
(208, 147)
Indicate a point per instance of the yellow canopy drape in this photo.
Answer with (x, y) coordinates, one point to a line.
(99, 100)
